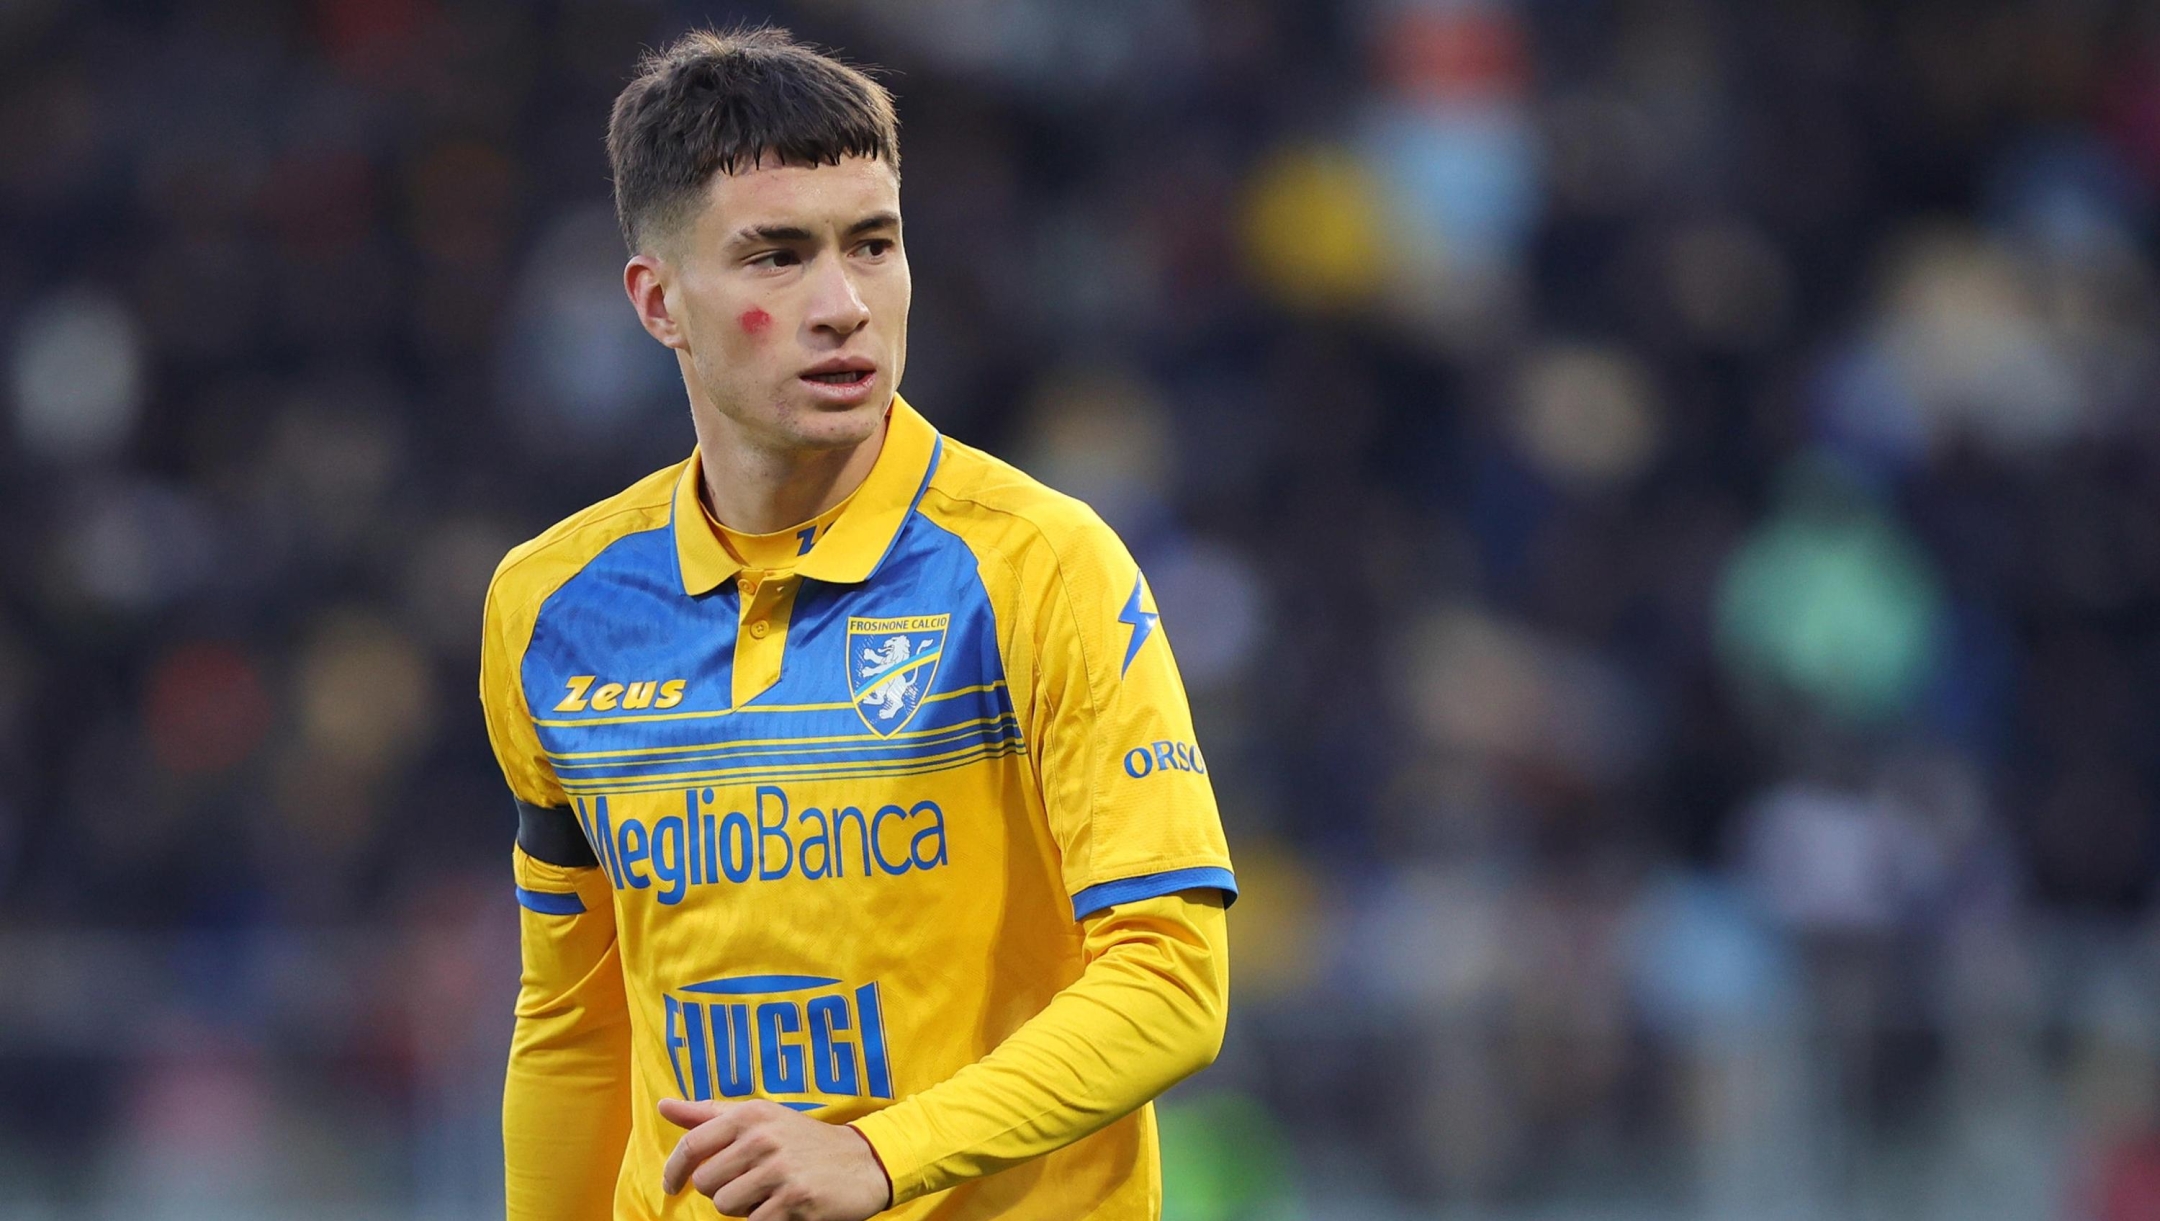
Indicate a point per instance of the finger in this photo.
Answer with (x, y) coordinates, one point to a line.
(696, 1146)
(750, 1147)
(749, 1193)
(686, 1114)
(777, 1207)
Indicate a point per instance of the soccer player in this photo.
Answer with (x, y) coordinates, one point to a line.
(865, 854)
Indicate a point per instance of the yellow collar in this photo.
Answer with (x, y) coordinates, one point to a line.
(853, 545)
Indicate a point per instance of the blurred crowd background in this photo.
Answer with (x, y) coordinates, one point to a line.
(1657, 503)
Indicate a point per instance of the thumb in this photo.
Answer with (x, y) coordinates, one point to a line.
(686, 1114)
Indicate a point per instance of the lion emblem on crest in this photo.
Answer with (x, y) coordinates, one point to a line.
(890, 696)
(892, 666)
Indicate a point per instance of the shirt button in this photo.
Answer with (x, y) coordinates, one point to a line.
(746, 585)
(760, 628)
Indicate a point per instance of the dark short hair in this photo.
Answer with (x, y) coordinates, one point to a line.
(720, 103)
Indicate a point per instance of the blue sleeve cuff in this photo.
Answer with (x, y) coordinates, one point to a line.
(1153, 886)
(550, 903)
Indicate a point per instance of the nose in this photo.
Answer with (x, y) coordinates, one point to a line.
(835, 306)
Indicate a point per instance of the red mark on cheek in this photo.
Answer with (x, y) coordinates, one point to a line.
(754, 321)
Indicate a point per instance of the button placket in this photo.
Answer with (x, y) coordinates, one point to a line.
(767, 603)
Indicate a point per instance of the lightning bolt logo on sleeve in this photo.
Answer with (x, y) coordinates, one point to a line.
(1142, 623)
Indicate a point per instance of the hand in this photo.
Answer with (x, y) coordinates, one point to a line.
(763, 1161)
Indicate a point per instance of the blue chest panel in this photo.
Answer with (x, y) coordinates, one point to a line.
(899, 675)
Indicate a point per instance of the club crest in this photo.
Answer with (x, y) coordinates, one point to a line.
(891, 664)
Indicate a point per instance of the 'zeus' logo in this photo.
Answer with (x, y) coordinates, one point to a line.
(610, 696)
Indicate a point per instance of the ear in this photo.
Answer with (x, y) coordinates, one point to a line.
(645, 279)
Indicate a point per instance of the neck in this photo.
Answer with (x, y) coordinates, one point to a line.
(759, 489)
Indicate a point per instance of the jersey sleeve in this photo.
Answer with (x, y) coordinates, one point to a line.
(1147, 1011)
(566, 1096)
(506, 627)
(1124, 782)
(566, 1089)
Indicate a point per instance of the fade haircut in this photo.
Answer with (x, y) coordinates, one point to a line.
(722, 103)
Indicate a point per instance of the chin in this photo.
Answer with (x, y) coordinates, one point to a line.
(828, 426)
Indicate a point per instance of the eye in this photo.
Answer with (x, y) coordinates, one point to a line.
(775, 258)
(877, 247)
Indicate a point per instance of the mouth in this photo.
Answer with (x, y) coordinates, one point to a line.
(841, 372)
(841, 381)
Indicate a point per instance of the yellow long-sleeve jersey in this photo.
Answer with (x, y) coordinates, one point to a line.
(911, 833)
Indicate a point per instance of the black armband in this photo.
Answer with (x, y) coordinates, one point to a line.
(553, 836)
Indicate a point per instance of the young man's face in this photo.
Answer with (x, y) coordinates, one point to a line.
(790, 296)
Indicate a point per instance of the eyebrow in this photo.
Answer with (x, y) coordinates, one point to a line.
(793, 233)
